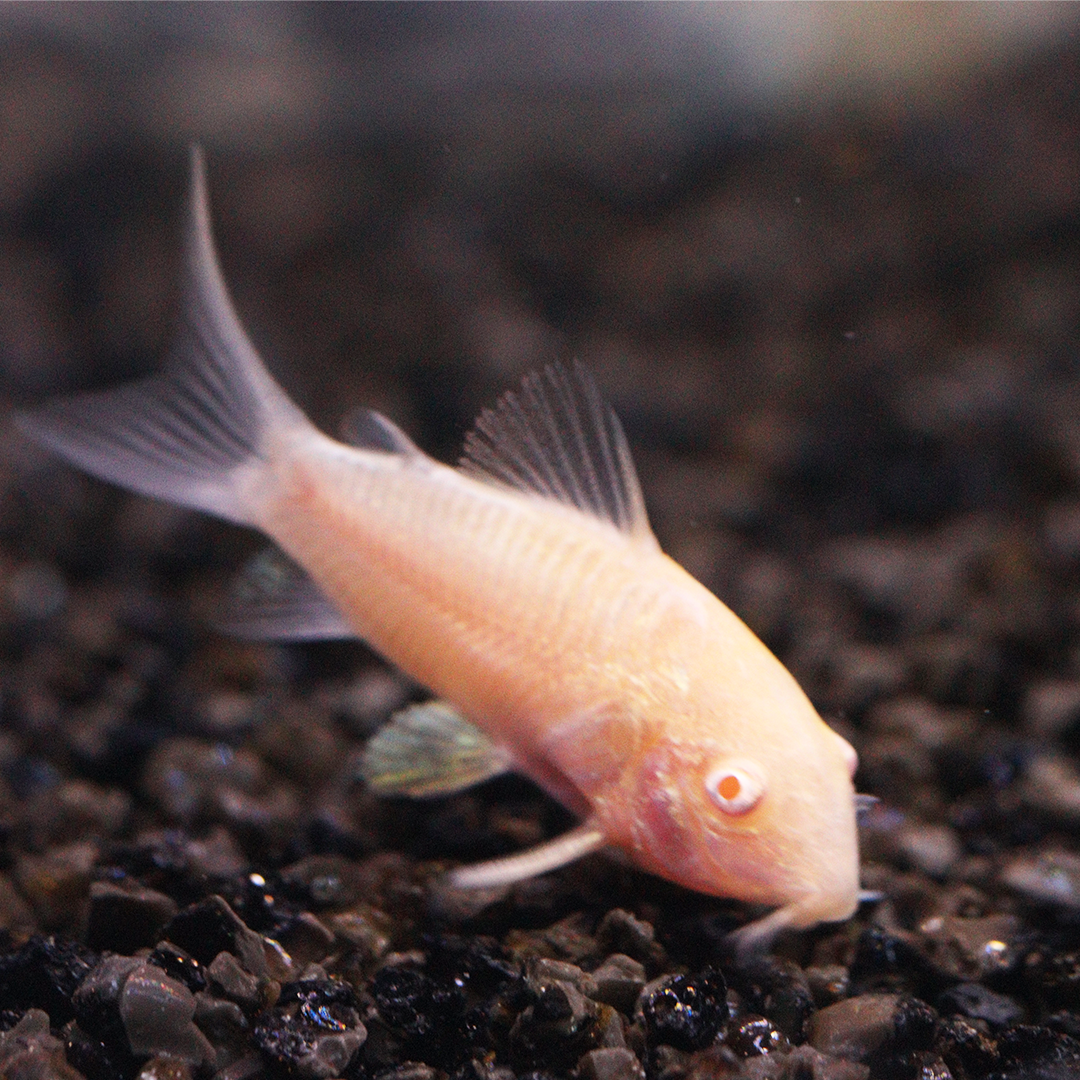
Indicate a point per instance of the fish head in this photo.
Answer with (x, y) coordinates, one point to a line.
(758, 808)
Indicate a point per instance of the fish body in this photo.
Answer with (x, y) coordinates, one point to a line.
(525, 588)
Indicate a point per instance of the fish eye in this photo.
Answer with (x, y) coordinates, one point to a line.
(735, 787)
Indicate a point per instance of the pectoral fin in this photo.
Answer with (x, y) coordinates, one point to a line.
(428, 750)
(571, 846)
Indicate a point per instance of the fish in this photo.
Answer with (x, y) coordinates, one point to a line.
(524, 587)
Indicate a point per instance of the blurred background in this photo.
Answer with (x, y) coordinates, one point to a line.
(822, 258)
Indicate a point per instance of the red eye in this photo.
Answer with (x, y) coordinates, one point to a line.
(735, 787)
(729, 787)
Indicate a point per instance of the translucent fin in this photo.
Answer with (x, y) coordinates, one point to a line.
(863, 803)
(370, 430)
(571, 846)
(191, 434)
(555, 437)
(274, 599)
(756, 937)
(428, 750)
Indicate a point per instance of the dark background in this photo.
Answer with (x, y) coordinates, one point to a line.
(823, 260)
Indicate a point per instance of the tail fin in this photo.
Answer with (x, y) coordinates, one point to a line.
(197, 432)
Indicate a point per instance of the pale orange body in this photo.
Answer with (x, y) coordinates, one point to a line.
(526, 590)
(613, 677)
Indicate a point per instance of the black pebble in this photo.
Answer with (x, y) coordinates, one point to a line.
(779, 990)
(976, 1002)
(410, 1003)
(1037, 1053)
(43, 974)
(95, 1060)
(967, 1050)
(1054, 978)
(883, 961)
(687, 1012)
(306, 1011)
(205, 929)
(754, 1036)
(429, 1014)
(179, 966)
(915, 1023)
(126, 920)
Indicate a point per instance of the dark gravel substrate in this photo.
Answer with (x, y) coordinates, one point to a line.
(844, 343)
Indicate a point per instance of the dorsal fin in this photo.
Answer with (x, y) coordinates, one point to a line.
(369, 430)
(556, 437)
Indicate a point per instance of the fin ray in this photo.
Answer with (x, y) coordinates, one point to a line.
(557, 438)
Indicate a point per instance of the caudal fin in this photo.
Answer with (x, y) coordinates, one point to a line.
(201, 430)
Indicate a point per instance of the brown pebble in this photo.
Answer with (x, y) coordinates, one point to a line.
(57, 883)
(803, 1061)
(368, 702)
(410, 1070)
(234, 983)
(610, 1028)
(157, 1013)
(246, 1068)
(301, 743)
(610, 1063)
(15, 915)
(972, 949)
(76, 810)
(215, 855)
(828, 983)
(567, 939)
(332, 881)
(1047, 877)
(193, 780)
(540, 970)
(224, 1023)
(621, 931)
(165, 1068)
(365, 928)
(1061, 529)
(29, 1051)
(861, 673)
(619, 980)
(306, 939)
(955, 666)
(922, 721)
(854, 1028)
(223, 713)
(1051, 783)
(932, 848)
(1050, 707)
